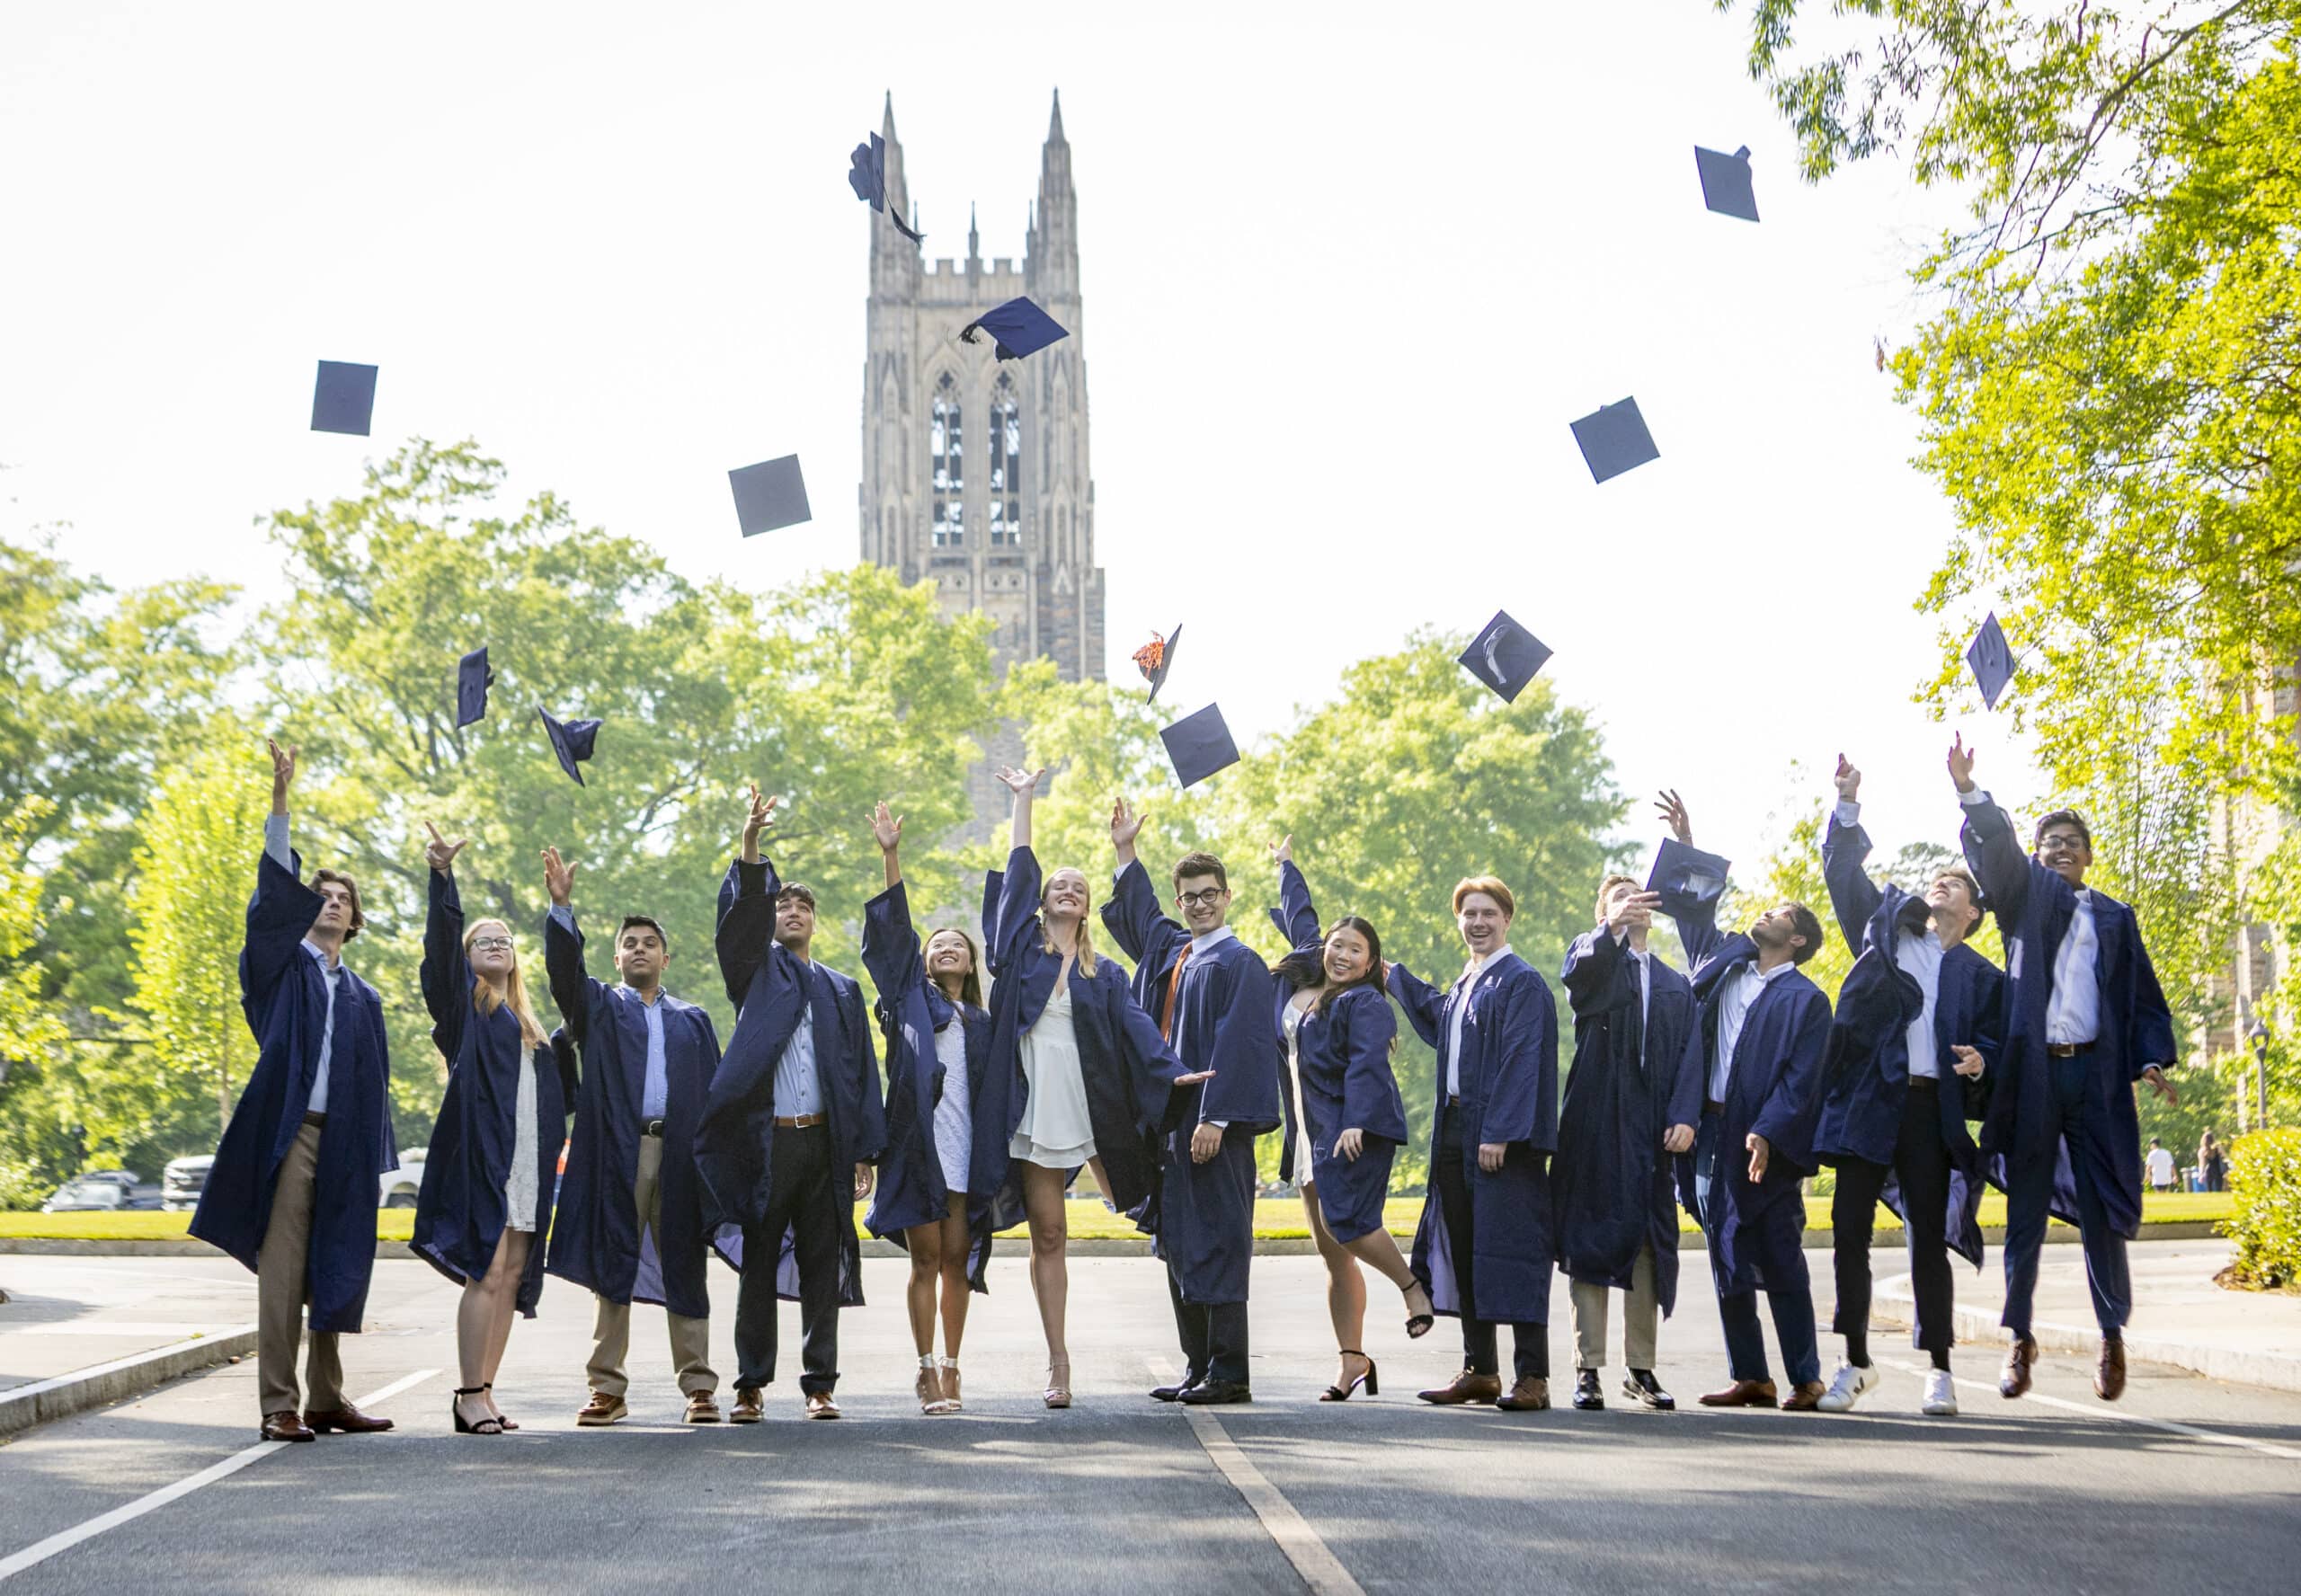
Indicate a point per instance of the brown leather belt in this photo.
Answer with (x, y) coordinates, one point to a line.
(1711, 1105)
(313, 1118)
(2066, 1049)
(797, 1122)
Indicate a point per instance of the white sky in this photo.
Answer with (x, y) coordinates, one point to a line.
(1348, 273)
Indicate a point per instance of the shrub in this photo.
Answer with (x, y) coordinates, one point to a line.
(2265, 1182)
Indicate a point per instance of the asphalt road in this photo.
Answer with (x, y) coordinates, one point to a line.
(2186, 1484)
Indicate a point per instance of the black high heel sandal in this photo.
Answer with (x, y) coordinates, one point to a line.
(502, 1418)
(490, 1426)
(1369, 1380)
(1418, 1326)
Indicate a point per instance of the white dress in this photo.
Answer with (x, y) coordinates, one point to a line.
(1294, 1026)
(519, 1192)
(953, 1111)
(1056, 1131)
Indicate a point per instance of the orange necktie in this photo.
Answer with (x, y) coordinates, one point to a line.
(1174, 987)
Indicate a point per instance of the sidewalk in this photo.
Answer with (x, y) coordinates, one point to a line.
(2180, 1316)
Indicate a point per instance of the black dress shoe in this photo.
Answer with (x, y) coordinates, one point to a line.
(1174, 1393)
(1208, 1393)
(1586, 1395)
(1643, 1388)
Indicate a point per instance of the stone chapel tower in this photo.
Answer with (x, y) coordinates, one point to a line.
(974, 470)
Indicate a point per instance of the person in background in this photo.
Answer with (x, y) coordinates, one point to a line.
(292, 1191)
(2160, 1167)
(2212, 1163)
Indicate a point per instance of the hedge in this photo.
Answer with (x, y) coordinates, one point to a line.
(2265, 1222)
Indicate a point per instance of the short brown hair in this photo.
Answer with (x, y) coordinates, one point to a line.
(2063, 817)
(1606, 889)
(1808, 927)
(1196, 864)
(1492, 888)
(320, 878)
(799, 890)
(1964, 878)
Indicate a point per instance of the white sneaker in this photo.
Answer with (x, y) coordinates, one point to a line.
(1940, 1395)
(1847, 1389)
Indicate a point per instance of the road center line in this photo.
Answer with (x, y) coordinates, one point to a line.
(64, 1540)
(2102, 1410)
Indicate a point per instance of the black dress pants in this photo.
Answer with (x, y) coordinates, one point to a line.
(804, 1196)
(1213, 1336)
(1530, 1351)
(1922, 1164)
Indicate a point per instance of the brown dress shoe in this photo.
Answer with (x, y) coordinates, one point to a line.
(346, 1420)
(2109, 1374)
(702, 1408)
(1530, 1394)
(2020, 1364)
(747, 1409)
(601, 1410)
(1804, 1397)
(1741, 1393)
(821, 1407)
(285, 1425)
(1465, 1386)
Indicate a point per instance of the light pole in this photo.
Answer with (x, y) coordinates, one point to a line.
(2258, 1036)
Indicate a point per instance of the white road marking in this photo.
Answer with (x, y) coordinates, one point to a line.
(2103, 1410)
(1320, 1568)
(40, 1551)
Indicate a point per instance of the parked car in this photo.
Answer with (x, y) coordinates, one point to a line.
(183, 1181)
(399, 1183)
(103, 1190)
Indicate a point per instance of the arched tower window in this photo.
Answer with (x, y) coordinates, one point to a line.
(1006, 465)
(947, 450)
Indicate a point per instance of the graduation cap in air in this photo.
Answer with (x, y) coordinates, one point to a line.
(1017, 328)
(1155, 658)
(1198, 745)
(571, 740)
(868, 178)
(1725, 183)
(1991, 660)
(473, 678)
(1614, 439)
(769, 495)
(343, 399)
(1681, 870)
(1505, 656)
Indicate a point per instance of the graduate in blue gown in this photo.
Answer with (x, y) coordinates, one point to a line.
(629, 1227)
(1918, 1024)
(1632, 1096)
(1484, 1248)
(1765, 1032)
(292, 1191)
(1079, 1076)
(486, 1204)
(791, 1129)
(2086, 1024)
(938, 1033)
(1335, 1037)
(1216, 1002)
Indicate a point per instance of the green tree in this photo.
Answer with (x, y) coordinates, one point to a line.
(36, 1150)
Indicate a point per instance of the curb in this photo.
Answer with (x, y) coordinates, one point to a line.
(23, 1406)
(1895, 1304)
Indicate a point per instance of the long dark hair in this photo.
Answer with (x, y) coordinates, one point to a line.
(1307, 966)
(971, 983)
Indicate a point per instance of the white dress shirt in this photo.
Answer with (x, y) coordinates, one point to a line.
(275, 842)
(2074, 1006)
(1459, 1004)
(1734, 1005)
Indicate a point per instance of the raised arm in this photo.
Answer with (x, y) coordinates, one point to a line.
(890, 949)
(1598, 972)
(1696, 916)
(571, 986)
(1991, 848)
(282, 908)
(446, 975)
(1131, 914)
(1296, 916)
(1424, 1004)
(746, 923)
(1853, 896)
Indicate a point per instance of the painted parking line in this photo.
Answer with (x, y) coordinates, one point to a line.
(2103, 1410)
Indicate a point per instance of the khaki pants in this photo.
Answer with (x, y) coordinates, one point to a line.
(282, 1285)
(611, 1333)
(1638, 1321)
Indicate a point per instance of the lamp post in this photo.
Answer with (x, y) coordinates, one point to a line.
(2258, 1036)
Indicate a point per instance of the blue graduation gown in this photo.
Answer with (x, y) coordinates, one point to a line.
(1631, 1079)
(734, 1145)
(912, 1013)
(284, 996)
(1869, 1078)
(1127, 1065)
(1508, 1078)
(2033, 905)
(1223, 1021)
(460, 1210)
(595, 1239)
(1775, 1089)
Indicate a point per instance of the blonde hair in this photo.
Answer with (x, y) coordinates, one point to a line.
(486, 998)
(1492, 888)
(1082, 945)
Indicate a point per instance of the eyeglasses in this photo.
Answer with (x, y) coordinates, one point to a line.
(1198, 900)
(491, 944)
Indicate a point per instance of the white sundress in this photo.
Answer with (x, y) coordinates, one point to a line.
(1057, 1132)
(1294, 1028)
(954, 1110)
(521, 1192)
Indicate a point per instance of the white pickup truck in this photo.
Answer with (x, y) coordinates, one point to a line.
(184, 1178)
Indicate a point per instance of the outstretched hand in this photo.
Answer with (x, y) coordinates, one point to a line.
(1962, 764)
(1283, 851)
(1023, 783)
(1633, 908)
(1673, 810)
(1126, 823)
(759, 816)
(1193, 1078)
(558, 877)
(283, 767)
(886, 830)
(440, 852)
(1849, 781)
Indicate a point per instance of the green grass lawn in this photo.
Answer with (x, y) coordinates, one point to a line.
(1276, 1220)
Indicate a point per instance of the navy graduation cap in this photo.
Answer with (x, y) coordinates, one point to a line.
(1017, 328)
(1155, 658)
(1614, 439)
(1725, 183)
(1505, 656)
(770, 495)
(1198, 745)
(1685, 872)
(1991, 660)
(868, 178)
(571, 740)
(473, 678)
(343, 398)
